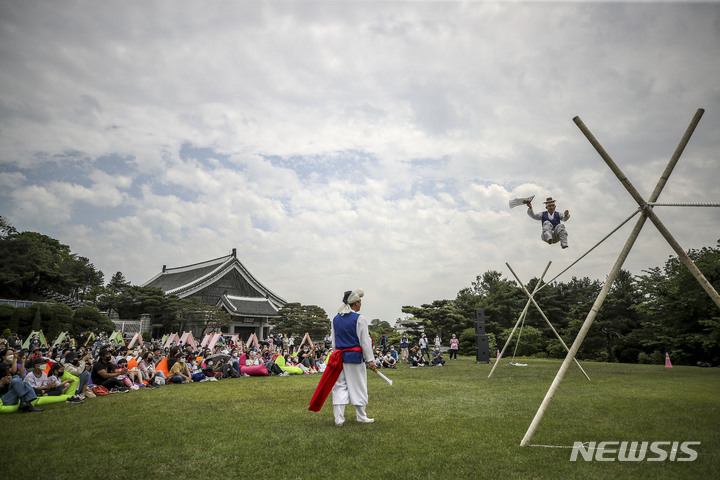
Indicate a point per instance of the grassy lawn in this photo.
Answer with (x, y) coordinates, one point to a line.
(434, 422)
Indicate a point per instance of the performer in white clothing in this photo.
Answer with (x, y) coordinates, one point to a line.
(350, 331)
(552, 230)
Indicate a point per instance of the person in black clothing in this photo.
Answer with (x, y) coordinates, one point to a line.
(105, 373)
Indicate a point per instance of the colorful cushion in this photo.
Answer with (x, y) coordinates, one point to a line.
(162, 367)
(280, 361)
(253, 371)
(49, 399)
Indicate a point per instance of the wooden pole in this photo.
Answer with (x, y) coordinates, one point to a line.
(546, 319)
(524, 312)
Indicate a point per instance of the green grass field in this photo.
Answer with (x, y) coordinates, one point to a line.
(437, 423)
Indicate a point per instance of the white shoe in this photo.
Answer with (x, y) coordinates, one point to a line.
(361, 416)
(339, 424)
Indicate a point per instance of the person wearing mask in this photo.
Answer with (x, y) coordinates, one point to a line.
(75, 365)
(179, 373)
(56, 372)
(454, 346)
(307, 357)
(105, 373)
(404, 348)
(424, 347)
(38, 379)
(235, 359)
(437, 359)
(388, 361)
(147, 368)
(12, 386)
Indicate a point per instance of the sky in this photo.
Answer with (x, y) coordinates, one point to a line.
(356, 144)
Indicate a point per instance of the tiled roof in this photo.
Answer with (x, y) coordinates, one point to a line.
(179, 277)
(199, 277)
(249, 306)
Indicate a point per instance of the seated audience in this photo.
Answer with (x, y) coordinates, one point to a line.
(12, 386)
(307, 357)
(147, 368)
(179, 373)
(130, 378)
(106, 374)
(79, 367)
(438, 357)
(38, 379)
(388, 361)
(56, 372)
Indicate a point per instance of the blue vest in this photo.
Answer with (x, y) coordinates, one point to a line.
(346, 336)
(554, 220)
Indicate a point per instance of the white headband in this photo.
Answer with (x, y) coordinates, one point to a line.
(353, 297)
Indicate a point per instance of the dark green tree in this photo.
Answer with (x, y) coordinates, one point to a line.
(502, 300)
(438, 317)
(31, 263)
(679, 316)
(529, 341)
(297, 319)
(117, 284)
(86, 318)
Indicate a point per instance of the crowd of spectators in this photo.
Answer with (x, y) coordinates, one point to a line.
(37, 370)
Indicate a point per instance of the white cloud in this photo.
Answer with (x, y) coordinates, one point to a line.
(343, 146)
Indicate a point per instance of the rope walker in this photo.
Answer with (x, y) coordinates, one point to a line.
(591, 249)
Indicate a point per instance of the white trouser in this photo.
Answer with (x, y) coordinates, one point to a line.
(557, 234)
(351, 387)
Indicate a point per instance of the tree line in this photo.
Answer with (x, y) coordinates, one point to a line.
(662, 310)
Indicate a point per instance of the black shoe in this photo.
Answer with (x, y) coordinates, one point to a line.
(29, 407)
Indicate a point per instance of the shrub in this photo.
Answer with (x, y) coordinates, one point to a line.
(531, 341)
(468, 346)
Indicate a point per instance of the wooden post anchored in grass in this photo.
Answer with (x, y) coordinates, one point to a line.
(546, 319)
(522, 315)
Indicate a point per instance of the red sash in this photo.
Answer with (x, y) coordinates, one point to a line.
(329, 377)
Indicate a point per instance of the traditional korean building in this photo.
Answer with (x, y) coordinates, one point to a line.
(225, 282)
